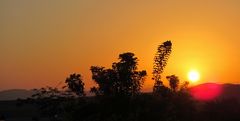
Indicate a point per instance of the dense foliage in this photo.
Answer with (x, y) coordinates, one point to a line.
(123, 79)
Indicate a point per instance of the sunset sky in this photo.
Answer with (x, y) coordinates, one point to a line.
(42, 41)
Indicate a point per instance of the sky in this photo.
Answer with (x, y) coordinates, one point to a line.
(42, 41)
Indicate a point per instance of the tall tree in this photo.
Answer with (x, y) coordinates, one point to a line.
(122, 79)
(160, 61)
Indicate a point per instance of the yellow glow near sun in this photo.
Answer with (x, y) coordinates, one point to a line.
(193, 76)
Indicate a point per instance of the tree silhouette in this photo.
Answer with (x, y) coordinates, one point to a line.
(173, 82)
(104, 78)
(75, 84)
(184, 86)
(122, 79)
(160, 61)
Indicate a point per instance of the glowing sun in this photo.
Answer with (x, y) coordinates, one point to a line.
(193, 76)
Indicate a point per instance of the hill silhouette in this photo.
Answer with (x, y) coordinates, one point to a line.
(14, 94)
(226, 91)
(231, 91)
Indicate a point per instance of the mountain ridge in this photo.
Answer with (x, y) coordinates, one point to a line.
(228, 91)
(14, 94)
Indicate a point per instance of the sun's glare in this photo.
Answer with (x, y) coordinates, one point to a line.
(193, 76)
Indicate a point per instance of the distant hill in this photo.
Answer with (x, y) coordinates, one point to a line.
(212, 90)
(226, 91)
(14, 94)
(231, 91)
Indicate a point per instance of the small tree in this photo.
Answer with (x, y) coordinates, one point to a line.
(173, 82)
(75, 84)
(184, 86)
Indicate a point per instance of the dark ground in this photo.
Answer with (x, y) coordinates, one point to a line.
(12, 111)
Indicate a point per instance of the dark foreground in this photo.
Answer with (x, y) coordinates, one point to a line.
(14, 111)
(145, 107)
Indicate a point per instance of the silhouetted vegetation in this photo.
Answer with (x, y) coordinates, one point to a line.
(118, 98)
(75, 84)
(160, 61)
(173, 82)
(54, 103)
(122, 79)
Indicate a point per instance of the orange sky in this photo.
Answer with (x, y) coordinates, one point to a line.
(42, 42)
